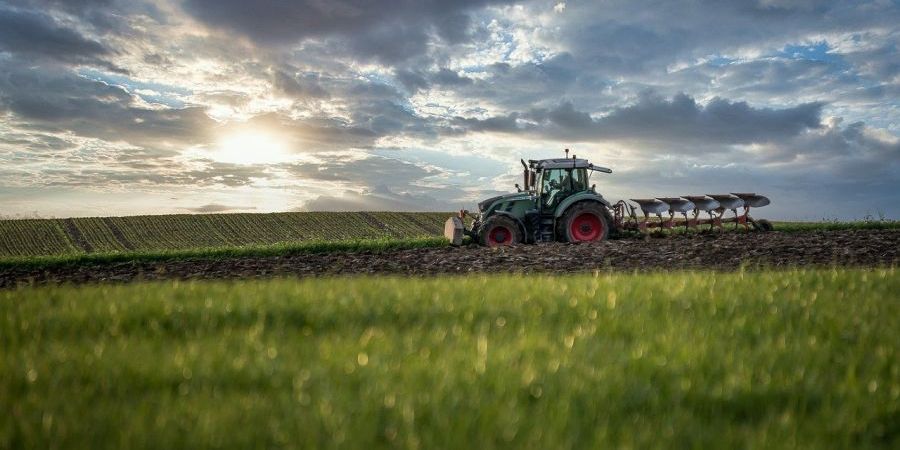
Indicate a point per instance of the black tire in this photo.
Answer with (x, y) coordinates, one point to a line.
(581, 221)
(499, 231)
(763, 225)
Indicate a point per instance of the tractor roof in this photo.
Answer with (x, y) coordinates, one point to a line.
(566, 163)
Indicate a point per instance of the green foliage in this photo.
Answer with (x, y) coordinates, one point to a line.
(48, 237)
(837, 225)
(30, 237)
(805, 358)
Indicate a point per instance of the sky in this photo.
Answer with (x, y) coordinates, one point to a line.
(125, 107)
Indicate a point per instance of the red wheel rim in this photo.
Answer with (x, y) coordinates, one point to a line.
(500, 235)
(586, 227)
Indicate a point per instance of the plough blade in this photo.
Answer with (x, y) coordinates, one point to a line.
(703, 203)
(728, 201)
(651, 205)
(752, 199)
(678, 204)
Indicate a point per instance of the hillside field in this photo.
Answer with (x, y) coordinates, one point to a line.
(137, 234)
(780, 359)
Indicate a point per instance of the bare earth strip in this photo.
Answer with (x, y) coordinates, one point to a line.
(76, 235)
(712, 252)
(117, 233)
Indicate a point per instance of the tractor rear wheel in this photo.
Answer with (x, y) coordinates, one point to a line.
(500, 230)
(584, 222)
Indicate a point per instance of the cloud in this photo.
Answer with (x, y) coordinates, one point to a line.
(389, 32)
(217, 208)
(368, 171)
(855, 152)
(301, 86)
(36, 35)
(680, 120)
(53, 99)
(379, 198)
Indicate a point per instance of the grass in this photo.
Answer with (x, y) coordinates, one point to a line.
(790, 227)
(375, 245)
(801, 358)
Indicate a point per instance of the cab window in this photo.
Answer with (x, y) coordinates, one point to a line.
(555, 183)
(579, 180)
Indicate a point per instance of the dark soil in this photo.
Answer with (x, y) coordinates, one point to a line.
(76, 235)
(714, 252)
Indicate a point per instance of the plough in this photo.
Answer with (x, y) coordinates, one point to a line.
(714, 205)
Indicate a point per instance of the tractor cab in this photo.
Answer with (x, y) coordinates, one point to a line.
(556, 203)
(559, 179)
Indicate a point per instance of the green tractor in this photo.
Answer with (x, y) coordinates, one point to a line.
(556, 203)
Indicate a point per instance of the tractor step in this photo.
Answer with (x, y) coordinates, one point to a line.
(546, 229)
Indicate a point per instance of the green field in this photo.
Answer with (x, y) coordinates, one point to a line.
(139, 234)
(804, 358)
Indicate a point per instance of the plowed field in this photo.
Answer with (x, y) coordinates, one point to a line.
(702, 251)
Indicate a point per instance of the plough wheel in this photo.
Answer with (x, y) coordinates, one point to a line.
(585, 222)
(763, 225)
(500, 230)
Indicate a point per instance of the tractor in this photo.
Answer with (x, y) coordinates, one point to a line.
(557, 202)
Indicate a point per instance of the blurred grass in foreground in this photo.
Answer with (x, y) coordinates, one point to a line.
(805, 358)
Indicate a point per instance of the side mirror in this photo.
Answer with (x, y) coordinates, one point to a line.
(594, 188)
(518, 188)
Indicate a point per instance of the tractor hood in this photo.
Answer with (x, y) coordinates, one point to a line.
(485, 204)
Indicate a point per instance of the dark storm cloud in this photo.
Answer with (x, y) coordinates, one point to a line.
(386, 31)
(680, 120)
(37, 35)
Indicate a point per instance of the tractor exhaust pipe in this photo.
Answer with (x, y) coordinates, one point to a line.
(526, 175)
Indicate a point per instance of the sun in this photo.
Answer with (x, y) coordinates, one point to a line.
(251, 147)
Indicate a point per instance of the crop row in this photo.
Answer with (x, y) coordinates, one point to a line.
(31, 237)
(178, 232)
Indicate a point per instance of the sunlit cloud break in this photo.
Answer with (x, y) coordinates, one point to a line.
(113, 107)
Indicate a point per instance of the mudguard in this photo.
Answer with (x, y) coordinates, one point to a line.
(581, 196)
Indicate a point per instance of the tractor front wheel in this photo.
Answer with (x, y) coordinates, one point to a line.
(585, 222)
(500, 230)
